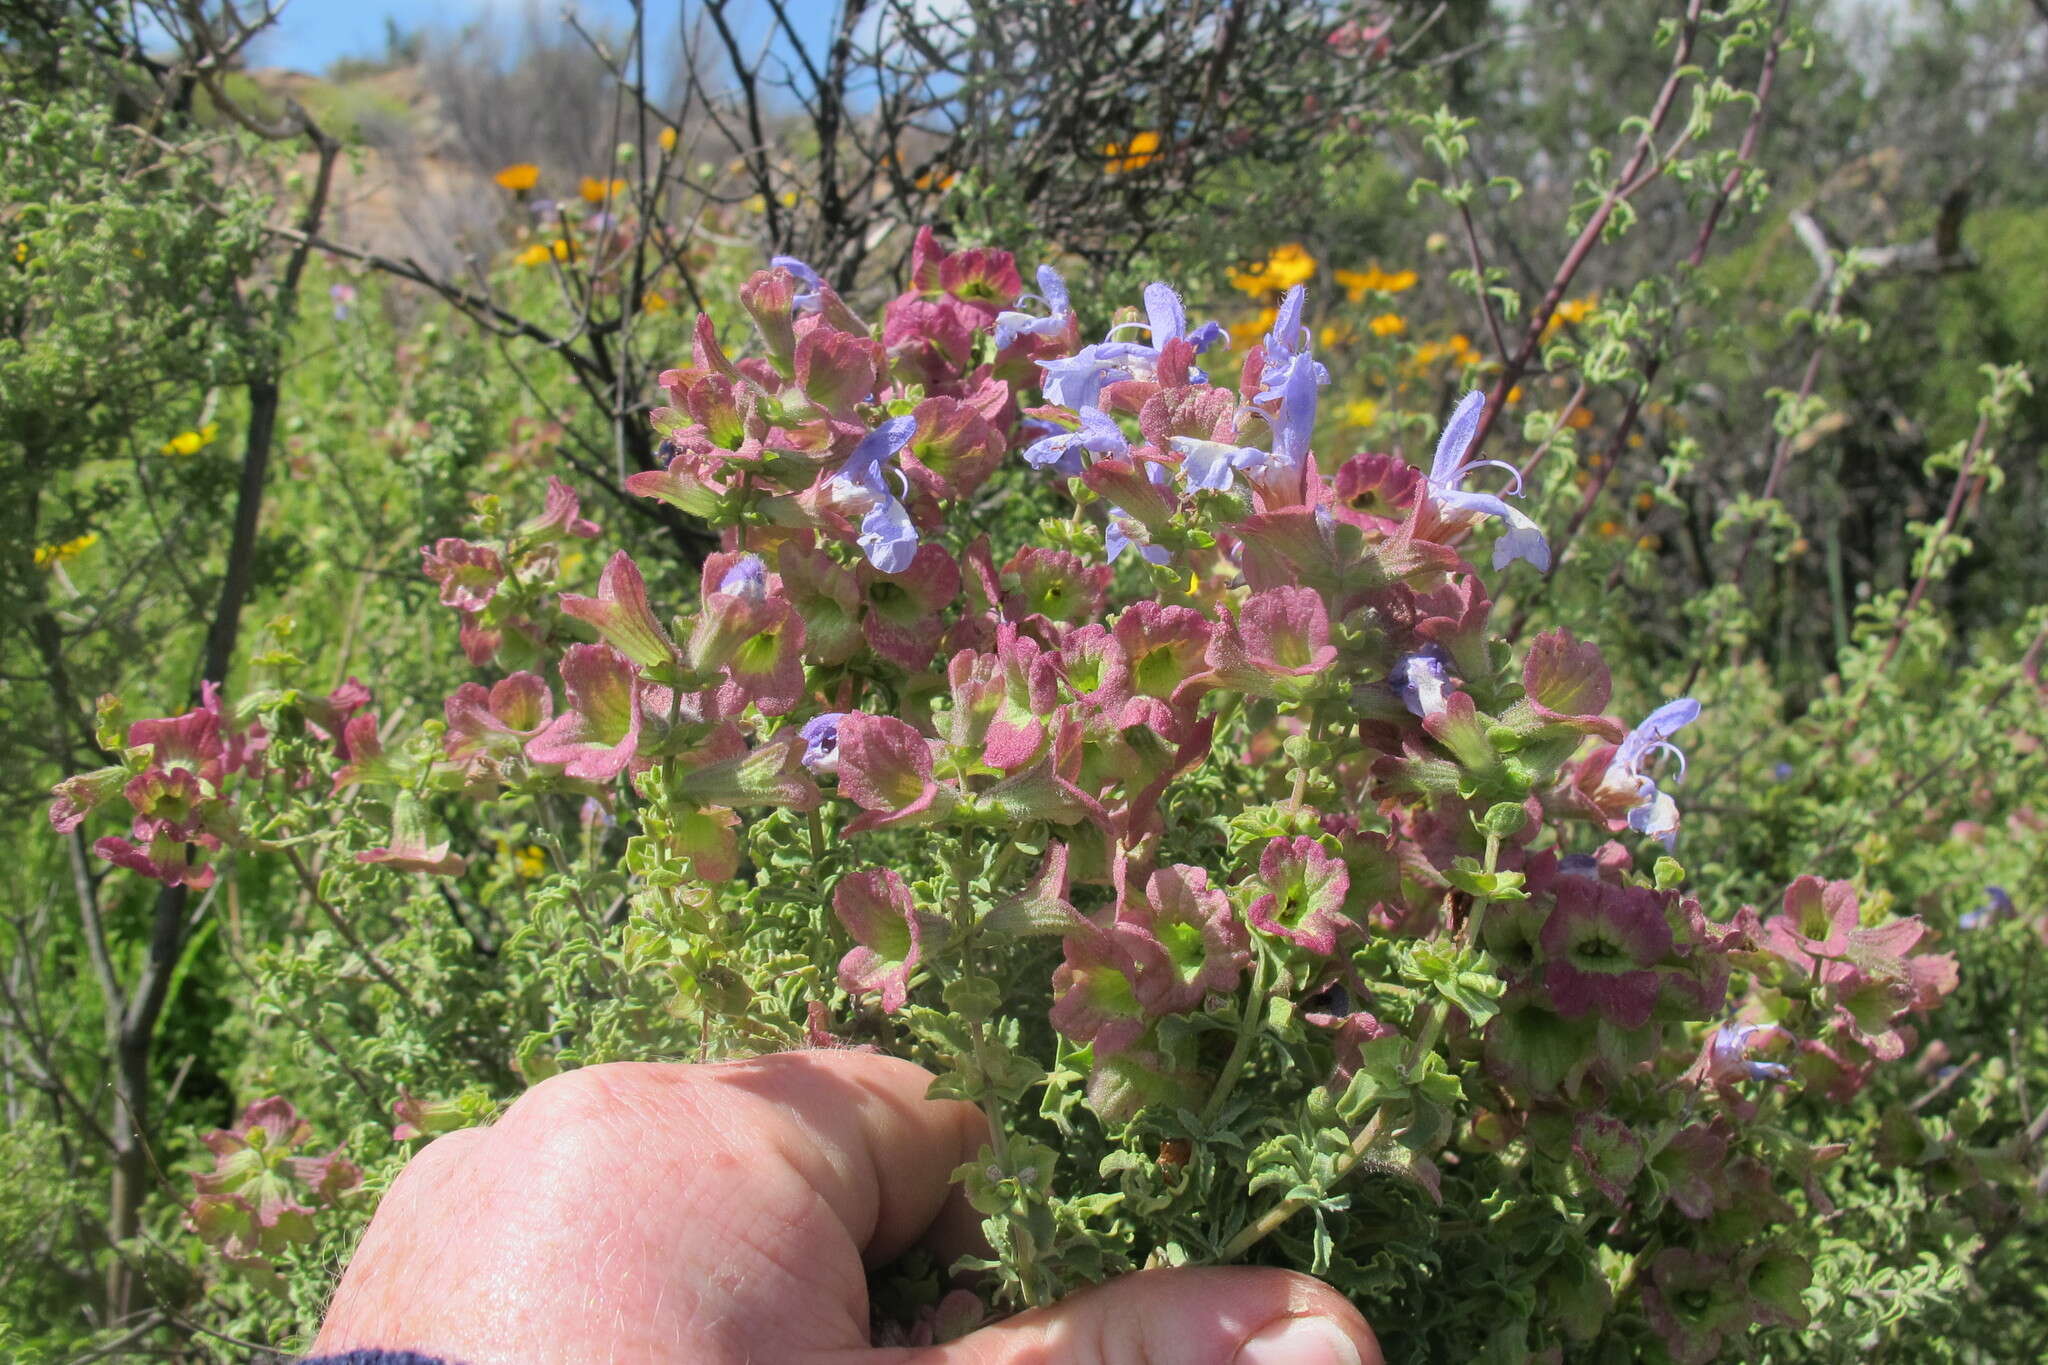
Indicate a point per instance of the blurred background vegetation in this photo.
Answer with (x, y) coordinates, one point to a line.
(264, 332)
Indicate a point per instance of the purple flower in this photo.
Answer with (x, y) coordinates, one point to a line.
(1296, 423)
(1421, 679)
(1076, 381)
(809, 301)
(748, 578)
(1115, 540)
(1098, 434)
(1011, 324)
(1728, 1054)
(544, 209)
(887, 536)
(1213, 464)
(343, 295)
(1287, 347)
(1651, 811)
(820, 735)
(1166, 319)
(1997, 906)
(1452, 466)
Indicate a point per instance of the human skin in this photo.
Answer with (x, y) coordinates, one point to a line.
(727, 1214)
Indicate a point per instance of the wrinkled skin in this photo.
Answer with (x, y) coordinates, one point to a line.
(729, 1213)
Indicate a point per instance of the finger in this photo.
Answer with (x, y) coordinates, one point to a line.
(631, 1211)
(1171, 1317)
(858, 1128)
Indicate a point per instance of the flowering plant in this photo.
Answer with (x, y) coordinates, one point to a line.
(1206, 833)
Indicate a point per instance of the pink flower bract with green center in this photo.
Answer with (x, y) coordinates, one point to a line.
(876, 908)
(1601, 946)
(1304, 894)
(597, 737)
(1185, 938)
(1095, 993)
(886, 768)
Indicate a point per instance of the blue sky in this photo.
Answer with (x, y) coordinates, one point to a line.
(312, 34)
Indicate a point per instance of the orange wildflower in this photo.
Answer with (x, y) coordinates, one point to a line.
(1140, 151)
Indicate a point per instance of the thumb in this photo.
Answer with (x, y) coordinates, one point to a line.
(1174, 1317)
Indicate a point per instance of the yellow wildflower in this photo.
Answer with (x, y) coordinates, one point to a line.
(562, 249)
(1286, 267)
(1361, 412)
(667, 138)
(1580, 419)
(652, 302)
(1373, 280)
(530, 862)
(1648, 542)
(537, 254)
(933, 180)
(1573, 311)
(1335, 335)
(21, 253)
(1610, 528)
(1289, 265)
(1645, 501)
(190, 442)
(1245, 333)
(1388, 325)
(1515, 394)
(756, 204)
(523, 175)
(46, 555)
(597, 191)
(1140, 151)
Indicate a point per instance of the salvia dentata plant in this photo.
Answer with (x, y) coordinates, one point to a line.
(1207, 835)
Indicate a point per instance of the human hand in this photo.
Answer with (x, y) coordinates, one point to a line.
(727, 1215)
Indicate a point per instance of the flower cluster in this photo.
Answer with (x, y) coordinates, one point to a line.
(1226, 777)
(262, 1196)
(176, 781)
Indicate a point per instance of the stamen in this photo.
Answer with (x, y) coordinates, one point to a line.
(1667, 746)
(1466, 471)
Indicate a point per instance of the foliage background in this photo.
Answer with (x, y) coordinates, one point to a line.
(145, 300)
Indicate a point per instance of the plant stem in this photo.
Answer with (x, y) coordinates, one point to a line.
(1314, 731)
(1433, 1018)
(347, 931)
(1247, 1029)
(990, 1100)
(1270, 1221)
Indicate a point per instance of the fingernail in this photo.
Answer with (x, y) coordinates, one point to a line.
(1300, 1341)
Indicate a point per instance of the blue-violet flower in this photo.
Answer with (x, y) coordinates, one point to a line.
(1524, 540)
